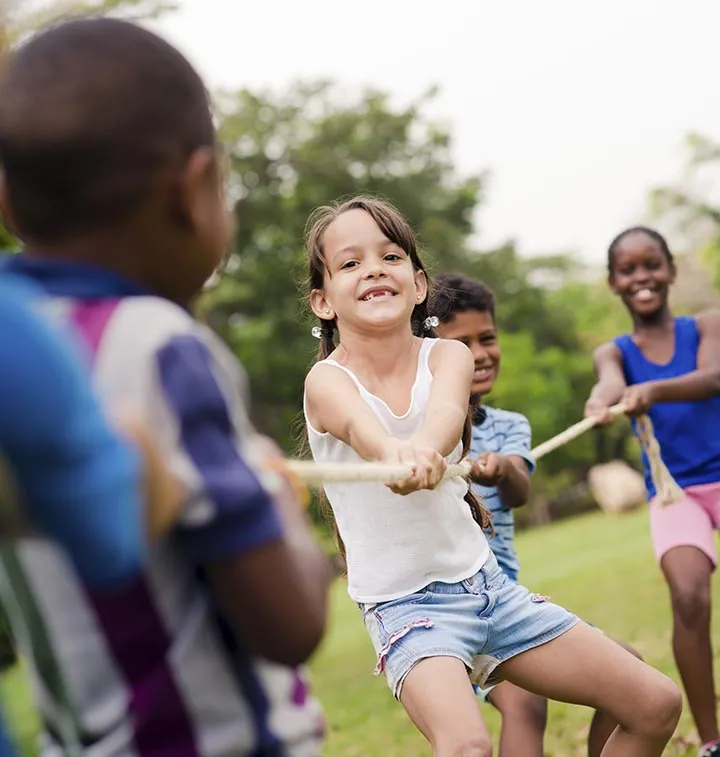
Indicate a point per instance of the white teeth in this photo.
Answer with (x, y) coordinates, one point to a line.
(373, 295)
(643, 295)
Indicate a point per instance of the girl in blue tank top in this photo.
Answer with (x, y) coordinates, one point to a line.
(669, 368)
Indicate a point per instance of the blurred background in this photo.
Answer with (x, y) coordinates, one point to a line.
(518, 138)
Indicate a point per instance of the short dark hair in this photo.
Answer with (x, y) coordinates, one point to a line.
(89, 111)
(456, 293)
(656, 236)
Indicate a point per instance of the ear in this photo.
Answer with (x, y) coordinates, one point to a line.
(6, 212)
(421, 285)
(320, 306)
(612, 284)
(199, 178)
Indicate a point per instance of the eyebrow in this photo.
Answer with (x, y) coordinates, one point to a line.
(353, 248)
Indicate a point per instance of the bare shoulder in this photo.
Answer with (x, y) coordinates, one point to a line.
(319, 378)
(450, 352)
(607, 353)
(325, 379)
(708, 322)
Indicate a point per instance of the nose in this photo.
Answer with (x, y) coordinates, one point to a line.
(374, 268)
(642, 274)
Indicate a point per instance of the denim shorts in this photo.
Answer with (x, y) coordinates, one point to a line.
(483, 621)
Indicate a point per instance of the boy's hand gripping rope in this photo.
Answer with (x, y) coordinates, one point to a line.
(313, 474)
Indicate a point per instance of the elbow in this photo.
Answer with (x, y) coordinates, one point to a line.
(715, 383)
(519, 499)
(297, 647)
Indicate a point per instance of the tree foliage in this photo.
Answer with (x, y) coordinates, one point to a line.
(28, 17)
(693, 205)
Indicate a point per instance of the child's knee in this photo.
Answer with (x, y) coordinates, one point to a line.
(533, 710)
(690, 601)
(475, 745)
(660, 710)
(521, 706)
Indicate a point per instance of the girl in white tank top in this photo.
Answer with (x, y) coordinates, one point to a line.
(434, 601)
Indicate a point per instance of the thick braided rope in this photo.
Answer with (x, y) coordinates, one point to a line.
(318, 474)
(666, 487)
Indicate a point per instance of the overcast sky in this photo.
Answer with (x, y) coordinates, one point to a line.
(575, 107)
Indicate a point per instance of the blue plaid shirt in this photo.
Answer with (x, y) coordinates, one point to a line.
(505, 433)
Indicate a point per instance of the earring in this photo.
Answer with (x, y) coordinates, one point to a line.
(431, 322)
(316, 331)
(327, 312)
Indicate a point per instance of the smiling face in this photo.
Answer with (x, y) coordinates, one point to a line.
(477, 330)
(369, 281)
(641, 274)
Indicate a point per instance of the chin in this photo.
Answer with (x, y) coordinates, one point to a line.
(481, 389)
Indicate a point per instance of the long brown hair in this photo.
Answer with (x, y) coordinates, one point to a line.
(394, 226)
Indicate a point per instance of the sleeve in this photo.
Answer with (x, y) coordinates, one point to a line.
(62, 455)
(230, 512)
(517, 440)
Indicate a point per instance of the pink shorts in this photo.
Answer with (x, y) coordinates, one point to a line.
(692, 522)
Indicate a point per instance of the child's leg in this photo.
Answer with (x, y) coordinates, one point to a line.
(684, 543)
(583, 666)
(602, 724)
(439, 699)
(524, 718)
(687, 571)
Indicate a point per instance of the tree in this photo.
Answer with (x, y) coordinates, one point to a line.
(25, 18)
(688, 205)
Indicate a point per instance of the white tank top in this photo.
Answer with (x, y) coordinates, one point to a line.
(397, 544)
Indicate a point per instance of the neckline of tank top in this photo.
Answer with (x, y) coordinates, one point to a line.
(422, 360)
(676, 321)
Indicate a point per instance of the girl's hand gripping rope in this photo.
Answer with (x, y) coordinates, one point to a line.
(638, 399)
(427, 464)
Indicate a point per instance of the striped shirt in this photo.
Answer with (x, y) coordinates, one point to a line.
(152, 669)
(507, 434)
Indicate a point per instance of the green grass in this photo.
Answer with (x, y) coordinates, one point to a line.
(600, 567)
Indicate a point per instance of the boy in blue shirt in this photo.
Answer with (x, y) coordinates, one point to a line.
(501, 443)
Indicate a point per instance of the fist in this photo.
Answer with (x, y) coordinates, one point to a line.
(599, 411)
(638, 399)
(489, 469)
(427, 464)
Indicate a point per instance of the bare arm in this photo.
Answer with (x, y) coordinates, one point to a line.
(281, 607)
(334, 405)
(607, 361)
(514, 487)
(452, 366)
(509, 468)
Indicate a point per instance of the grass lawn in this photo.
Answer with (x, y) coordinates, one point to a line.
(600, 567)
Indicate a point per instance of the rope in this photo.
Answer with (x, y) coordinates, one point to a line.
(318, 474)
(666, 487)
(311, 474)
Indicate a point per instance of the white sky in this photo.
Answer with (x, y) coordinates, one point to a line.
(575, 107)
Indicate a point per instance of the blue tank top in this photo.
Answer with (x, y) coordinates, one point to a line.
(688, 432)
